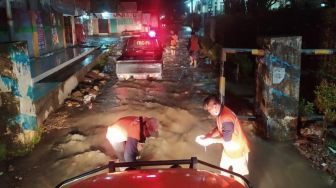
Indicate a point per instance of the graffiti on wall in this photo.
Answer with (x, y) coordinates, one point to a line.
(278, 82)
(54, 33)
(19, 83)
(40, 31)
(278, 74)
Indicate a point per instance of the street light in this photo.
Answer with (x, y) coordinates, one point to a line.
(105, 15)
(9, 20)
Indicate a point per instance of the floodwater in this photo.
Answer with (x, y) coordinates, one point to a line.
(176, 101)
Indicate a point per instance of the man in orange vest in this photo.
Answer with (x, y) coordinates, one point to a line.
(193, 48)
(229, 133)
(127, 132)
(173, 42)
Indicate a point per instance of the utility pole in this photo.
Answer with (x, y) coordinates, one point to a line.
(192, 14)
(222, 78)
(10, 20)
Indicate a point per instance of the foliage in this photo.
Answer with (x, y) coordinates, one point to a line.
(210, 49)
(326, 100)
(194, 20)
(260, 5)
(102, 60)
(331, 142)
(314, 25)
(2, 151)
(234, 7)
(243, 61)
(21, 149)
(306, 108)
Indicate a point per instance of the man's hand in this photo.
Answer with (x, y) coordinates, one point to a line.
(140, 146)
(202, 140)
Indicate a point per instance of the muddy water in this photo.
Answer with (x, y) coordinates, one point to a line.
(176, 102)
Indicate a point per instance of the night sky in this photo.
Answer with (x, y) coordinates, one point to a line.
(162, 6)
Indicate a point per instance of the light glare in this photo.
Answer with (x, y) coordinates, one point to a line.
(151, 33)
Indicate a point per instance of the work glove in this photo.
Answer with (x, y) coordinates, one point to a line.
(201, 140)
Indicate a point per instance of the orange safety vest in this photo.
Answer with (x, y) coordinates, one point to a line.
(125, 127)
(194, 44)
(173, 41)
(238, 135)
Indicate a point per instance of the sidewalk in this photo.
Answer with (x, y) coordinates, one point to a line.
(46, 65)
(51, 70)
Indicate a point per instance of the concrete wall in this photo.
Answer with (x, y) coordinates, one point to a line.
(119, 26)
(22, 26)
(119, 22)
(55, 99)
(18, 115)
(277, 87)
(21, 114)
(95, 29)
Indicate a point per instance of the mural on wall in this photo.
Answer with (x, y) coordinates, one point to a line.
(17, 110)
(40, 31)
(54, 33)
(48, 26)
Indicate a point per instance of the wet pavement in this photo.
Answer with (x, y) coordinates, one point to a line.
(176, 101)
(102, 41)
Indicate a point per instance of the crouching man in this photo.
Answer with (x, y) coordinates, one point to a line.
(127, 132)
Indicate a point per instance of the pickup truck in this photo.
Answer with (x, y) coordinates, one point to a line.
(141, 58)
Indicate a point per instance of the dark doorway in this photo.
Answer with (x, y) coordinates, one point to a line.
(103, 25)
(68, 30)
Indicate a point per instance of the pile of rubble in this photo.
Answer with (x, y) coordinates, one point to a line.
(56, 120)
(312, 147)
(87, 90)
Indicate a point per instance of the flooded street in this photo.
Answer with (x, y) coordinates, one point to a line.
(176, 102)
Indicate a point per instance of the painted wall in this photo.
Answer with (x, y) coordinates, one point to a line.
(278, 86)
(22, 27)
(48, 29)
(119, 22)
(18, 115)
(40, 26)
(95, 29)
(3, 25)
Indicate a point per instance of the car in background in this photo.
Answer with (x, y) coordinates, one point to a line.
(141, 58)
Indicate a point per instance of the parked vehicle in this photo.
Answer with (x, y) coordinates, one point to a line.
(131, 33)
(141, 58)
(175, 176)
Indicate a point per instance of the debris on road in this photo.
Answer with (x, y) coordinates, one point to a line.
(11, 168)
(311, 147)
(87, 90)
(56, 121)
